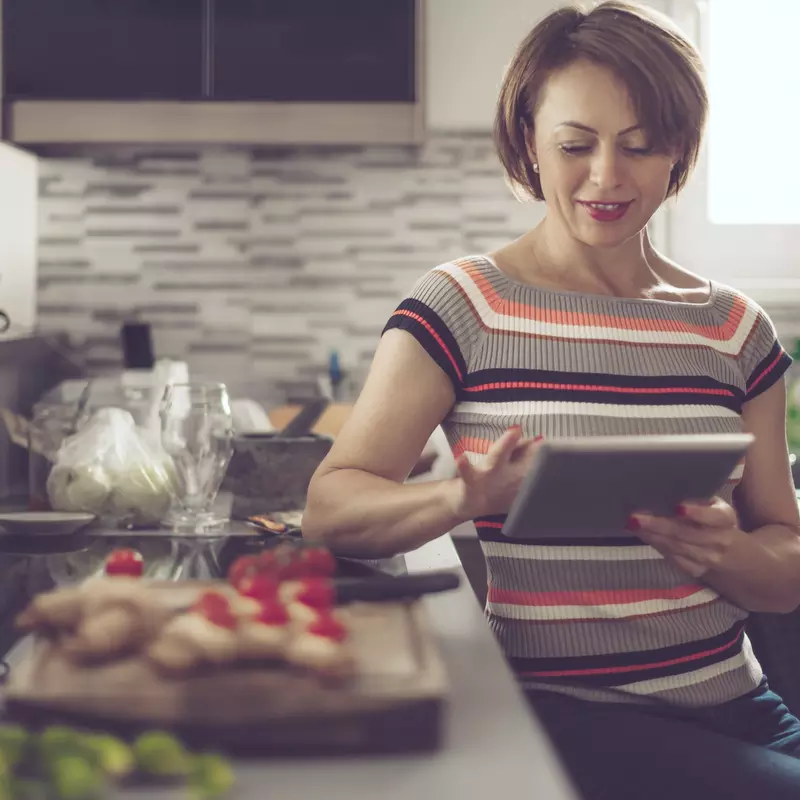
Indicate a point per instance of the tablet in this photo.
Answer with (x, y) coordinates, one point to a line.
(589, 486)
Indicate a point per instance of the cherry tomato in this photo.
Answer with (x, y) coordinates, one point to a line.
(216, 608)
(317, 593)
(124, 561)
(280, 561)
(317, 562)
(260, 587)
(222, 617)
(209, 602)
(242, 566)
(329, 627)
(273, 613)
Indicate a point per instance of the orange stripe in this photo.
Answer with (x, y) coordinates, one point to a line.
(471, 444)
(605, 597)
(722, 332)
(765, 372)
(432, 332)
(581, 387)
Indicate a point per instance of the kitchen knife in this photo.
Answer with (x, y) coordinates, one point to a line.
(385, 589)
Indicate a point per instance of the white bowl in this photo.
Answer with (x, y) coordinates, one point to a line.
(44, 523)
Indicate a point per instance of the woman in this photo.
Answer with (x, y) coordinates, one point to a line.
(633, 651)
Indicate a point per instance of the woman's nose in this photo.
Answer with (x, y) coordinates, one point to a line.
(606, 169)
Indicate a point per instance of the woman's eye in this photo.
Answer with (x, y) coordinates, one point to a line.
(574, 149)
(639, 151)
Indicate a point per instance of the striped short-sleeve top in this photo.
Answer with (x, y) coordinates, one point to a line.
(605, 619)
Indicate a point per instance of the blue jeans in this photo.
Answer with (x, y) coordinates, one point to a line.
(747, 749)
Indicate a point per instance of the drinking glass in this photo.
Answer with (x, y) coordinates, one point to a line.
(197, 433)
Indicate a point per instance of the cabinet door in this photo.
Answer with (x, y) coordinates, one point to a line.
(314, 50)
(103, 49)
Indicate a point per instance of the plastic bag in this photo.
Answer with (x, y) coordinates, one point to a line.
(111, 469)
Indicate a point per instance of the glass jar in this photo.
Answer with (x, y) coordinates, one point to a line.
(197, 435)
(51, 424)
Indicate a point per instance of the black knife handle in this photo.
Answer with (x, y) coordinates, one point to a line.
(402, 587)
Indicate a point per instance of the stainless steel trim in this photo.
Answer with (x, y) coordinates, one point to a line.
(33, 122)
(208, 48)
(421, 75)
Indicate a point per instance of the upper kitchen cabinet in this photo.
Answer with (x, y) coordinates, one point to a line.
(103, 49)
(315, 51)
(212, 71)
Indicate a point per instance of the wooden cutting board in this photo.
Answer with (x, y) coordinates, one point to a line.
(394, 704)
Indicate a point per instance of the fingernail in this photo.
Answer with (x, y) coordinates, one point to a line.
(633, 524)
(681, 510)
(538, 438)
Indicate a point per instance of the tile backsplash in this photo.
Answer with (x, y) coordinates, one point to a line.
(258, 262)
(252, 264)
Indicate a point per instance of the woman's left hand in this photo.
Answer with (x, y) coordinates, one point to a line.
(696, 539)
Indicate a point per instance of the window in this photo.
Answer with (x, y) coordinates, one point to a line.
(753, 61)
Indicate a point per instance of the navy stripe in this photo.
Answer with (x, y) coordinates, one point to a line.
(773, 376)
(424, 337)
(568, 389)
(725, 646)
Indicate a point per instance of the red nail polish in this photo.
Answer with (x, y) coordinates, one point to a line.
(681, 510)
(538, 438)
(633, 524)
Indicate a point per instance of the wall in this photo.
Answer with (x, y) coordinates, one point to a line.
(257, 262)
(469, 43)
(763, 259)
(18, 239)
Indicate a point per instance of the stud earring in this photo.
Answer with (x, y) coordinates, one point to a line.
(536, 167)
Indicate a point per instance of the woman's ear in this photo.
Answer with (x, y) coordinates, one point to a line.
(532, 152)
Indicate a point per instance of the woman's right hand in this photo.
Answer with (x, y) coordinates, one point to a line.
(490, 487)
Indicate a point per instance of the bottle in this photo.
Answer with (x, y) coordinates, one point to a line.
(335, 374)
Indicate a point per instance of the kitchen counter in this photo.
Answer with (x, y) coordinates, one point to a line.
(492, 742)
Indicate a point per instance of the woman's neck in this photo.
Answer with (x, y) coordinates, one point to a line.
(630, 270)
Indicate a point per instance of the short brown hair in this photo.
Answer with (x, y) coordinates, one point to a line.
(660, 67)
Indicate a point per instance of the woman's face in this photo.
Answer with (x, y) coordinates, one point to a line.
(599, 177)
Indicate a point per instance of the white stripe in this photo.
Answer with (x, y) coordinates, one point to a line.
(684, 679)
(612, 611)
(538, 552)
(738, 472)
(549, 408)
(497, 321)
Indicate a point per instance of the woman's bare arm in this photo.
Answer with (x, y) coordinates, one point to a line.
(357, 501)
(767, 504)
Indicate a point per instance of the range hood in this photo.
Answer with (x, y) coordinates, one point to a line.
(33, 122)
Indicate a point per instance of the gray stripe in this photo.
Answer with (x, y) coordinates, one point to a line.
(582, 575)
(593, 425)
(526, 639)
(716, 690)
